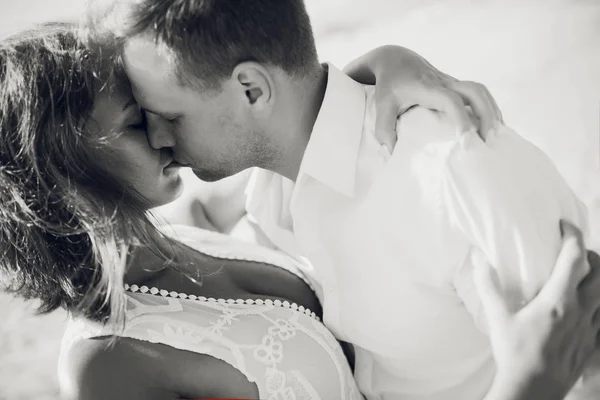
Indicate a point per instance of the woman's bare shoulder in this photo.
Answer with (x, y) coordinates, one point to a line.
(134, 369)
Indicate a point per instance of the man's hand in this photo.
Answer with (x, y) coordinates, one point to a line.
(404, 79)
(542, 349)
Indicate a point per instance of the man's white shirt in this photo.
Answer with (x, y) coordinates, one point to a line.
(393, 240)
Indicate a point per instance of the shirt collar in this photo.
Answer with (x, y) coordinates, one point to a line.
(332, 151)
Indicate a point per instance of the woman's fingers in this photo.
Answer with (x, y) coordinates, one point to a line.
(499, 116)
(390, 104)
(451, 103)
(386, 119)
(404, 79)
(483, 105)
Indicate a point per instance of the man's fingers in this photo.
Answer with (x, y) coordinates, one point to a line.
(594, 259)
(589, 288)
(571, 265)
(386, 120)
(574, 251)
(485, 109)
(596, 317)
(490, 292)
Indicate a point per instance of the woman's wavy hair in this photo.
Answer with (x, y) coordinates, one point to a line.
(66, 226)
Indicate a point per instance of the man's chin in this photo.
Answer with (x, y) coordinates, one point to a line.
(209, 176)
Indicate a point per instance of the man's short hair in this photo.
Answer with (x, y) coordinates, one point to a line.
(208, 38)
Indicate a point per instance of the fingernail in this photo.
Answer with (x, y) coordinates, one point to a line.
(472, 130)
(386, 151)
(464, 136)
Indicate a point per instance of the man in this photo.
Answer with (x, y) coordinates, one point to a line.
(394, 239)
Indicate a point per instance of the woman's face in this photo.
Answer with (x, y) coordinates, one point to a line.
(128, 155)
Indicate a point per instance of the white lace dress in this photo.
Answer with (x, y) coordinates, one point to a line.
(284, 349)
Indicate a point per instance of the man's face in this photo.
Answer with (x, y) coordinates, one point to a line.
(212, 132)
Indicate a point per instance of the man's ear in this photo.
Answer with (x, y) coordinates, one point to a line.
(255, 83)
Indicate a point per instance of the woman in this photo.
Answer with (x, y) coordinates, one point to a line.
(168, 314)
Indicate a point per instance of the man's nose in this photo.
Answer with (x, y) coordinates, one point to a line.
(159, 133)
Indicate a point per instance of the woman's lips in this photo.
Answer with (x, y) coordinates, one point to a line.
(173, 165)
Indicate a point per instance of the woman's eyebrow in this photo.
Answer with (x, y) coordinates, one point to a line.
(129, 103)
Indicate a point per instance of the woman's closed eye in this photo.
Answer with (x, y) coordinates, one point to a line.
(141, 123)
(173, 121)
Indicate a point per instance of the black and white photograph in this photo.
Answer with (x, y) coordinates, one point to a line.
(300, 199)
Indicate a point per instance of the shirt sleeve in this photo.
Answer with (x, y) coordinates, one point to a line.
(506, 198)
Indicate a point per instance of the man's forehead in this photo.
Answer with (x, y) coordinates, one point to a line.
(143, 57)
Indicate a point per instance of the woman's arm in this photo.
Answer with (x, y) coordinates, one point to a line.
(132, 369)
(542, 349)
(404, 79)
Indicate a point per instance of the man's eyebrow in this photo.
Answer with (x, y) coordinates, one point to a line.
(164, 115)
(151, 111)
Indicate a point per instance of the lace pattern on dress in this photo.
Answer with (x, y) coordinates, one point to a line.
(286, 352)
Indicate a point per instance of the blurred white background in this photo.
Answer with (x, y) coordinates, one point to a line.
(539, 58)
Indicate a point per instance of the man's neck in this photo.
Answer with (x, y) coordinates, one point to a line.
(298, 120)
